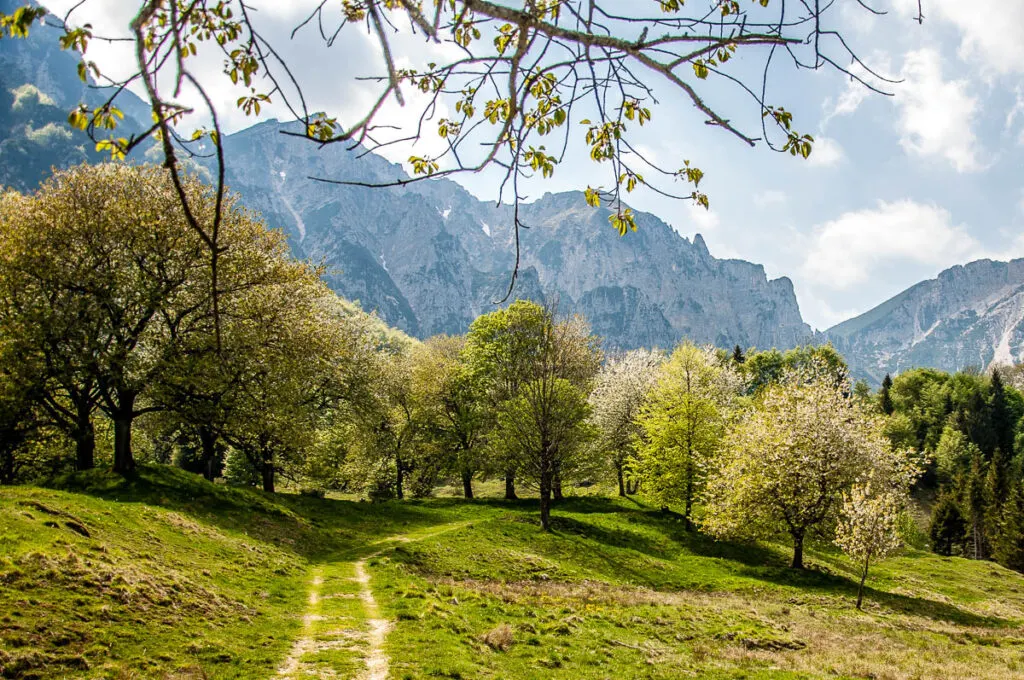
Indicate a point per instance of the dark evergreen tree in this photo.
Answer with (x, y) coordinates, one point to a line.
(975, 498)
(737, 355)
(948, 530)
(885, 398)
(1008, 543)
(996, 490)
(1003, 422)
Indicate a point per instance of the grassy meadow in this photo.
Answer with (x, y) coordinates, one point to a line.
(164, 575)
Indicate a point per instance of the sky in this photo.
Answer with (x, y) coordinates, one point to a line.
(897, 189)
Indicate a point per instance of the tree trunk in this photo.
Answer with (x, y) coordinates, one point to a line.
(208, 441)
(622, 480)
(267, 472)
(798, 551)
(399, 479)
(510, 486)
(84, 437)
(556, 487)
(467, 484)
(633, 487)
(124, 461)
(863, 578)
(688, 507)
(545, 500)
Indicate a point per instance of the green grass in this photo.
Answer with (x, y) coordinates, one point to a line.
(180, 578)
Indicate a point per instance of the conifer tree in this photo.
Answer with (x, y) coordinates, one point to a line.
(949, 527)
(1002, 419)
(996, 490)
(975, 501)
(885, 397)
(1008, 542)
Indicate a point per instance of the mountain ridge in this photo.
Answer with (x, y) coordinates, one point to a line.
(436, 256)
(969, 315)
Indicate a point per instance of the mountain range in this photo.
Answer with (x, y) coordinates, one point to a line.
(429, 257)
(969, 316)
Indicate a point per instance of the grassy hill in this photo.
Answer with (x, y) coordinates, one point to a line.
(168, 576)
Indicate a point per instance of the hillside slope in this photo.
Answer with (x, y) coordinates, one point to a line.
(167, 576)
(970, 315)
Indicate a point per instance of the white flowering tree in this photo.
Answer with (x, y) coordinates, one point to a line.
(868, 528)
(620, 389)
(785, 467)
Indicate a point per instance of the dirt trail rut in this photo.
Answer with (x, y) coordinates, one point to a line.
(361, 632)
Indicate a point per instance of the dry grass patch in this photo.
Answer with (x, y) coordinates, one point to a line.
(499, 639)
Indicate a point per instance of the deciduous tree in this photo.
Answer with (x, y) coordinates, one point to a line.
(868, 528)
(454, 412)
(787, 464)
(683, 422)
(620, 389)
(98, 267)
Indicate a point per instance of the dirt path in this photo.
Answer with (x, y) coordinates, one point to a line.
(343, 630)
(304, 644)
(376, 659)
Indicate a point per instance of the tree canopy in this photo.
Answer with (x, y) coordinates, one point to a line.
(788, 463)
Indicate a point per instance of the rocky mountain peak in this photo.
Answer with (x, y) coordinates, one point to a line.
(969, 315)
(429, 257)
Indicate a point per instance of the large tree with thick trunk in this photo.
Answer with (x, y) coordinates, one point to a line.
(97, 265)
(107, 296)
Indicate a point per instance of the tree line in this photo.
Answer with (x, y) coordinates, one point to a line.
(970, 425)
(115, 348)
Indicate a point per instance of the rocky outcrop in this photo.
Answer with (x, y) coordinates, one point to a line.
(969, 316)
(429, 257)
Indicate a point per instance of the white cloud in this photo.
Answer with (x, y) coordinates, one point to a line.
(856, 93)
(827, 153)
(769, 197)
(1016, 112)
(849, 250)
(849, 100)
(704, 220)
(936, 116)
(990, 31)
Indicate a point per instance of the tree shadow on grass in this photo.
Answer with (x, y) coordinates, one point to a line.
(754, 563)
(314, 528)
